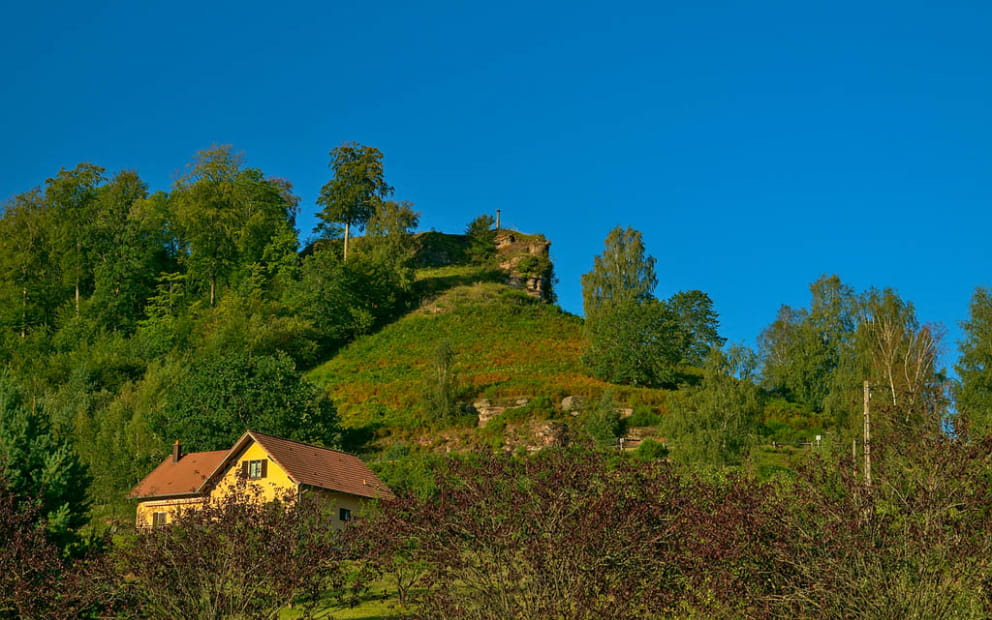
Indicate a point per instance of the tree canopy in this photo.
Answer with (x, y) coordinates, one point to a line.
(355, 192)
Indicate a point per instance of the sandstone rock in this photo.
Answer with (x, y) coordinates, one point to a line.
(551, 434)
(570, 404)
(487, 411)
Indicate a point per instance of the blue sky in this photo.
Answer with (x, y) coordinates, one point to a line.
(756, 145)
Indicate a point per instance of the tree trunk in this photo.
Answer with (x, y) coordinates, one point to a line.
(24, 312)
(347, 233)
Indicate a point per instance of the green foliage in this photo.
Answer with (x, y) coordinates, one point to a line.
(651, 450)
(622, 273)
(440, 396)
(390, 240)
(713, 424)
(255, 327)
(602, 423)
(481, 239)
(974, 392)
(343, 300)
(30, 280)
(355, 192)
(819, 358)
(634, 338)
(533, 265)
(229, 219)
(72, 194)
(635, 343)
(129, 250)
(784, 422)
(643, 415)
(41, 467)
(698, 325)
(221, 396)
(407, 471)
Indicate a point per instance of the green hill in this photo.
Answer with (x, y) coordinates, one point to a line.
(507, 345)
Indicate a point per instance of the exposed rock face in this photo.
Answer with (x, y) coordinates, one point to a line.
(487, 410)
(527, 260)
(573, 403)
(551, 434)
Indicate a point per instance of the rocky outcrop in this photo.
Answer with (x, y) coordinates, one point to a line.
(573, 404)
(487, 410)
(527, 261)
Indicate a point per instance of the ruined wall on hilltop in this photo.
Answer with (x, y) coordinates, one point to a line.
(527, 261)
(525, 258)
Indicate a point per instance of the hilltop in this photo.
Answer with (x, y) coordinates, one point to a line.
(512, 347)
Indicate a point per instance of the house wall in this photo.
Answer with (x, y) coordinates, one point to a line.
(336, 501)
(171, 508)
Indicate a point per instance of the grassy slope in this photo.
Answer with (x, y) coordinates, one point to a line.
(506, 344)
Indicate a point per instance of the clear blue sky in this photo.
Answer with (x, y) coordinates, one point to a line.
(757, 145)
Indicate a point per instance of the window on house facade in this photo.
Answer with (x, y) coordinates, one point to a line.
(159, 519)
(344, 514)
(253, 470)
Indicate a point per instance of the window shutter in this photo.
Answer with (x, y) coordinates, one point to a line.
(244, 470)
(265, 468)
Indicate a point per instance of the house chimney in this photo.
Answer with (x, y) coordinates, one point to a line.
(176, 452)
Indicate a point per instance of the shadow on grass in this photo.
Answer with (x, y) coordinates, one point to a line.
(357, 439)
(435, 284)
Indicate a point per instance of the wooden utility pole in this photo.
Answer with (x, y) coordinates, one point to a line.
(867, 436)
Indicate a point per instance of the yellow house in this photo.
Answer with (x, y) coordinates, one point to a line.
(272, 465)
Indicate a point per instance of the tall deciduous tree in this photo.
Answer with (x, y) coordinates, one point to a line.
(29, 272)
(390, 229)
(623, 272)
(357, 189)
(803, 348)
(231, 219)
(698, 323)
(974, 367)
(73, 196)
(481, 239)
(129, 252)
(633, 338)
(902, 355)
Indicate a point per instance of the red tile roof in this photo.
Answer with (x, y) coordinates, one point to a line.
(305, 464)
(322, 467)
(182, 478)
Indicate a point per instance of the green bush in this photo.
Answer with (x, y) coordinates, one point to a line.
(651, 450)
(644, 416)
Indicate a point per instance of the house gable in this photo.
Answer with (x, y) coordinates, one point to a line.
(249, 463)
